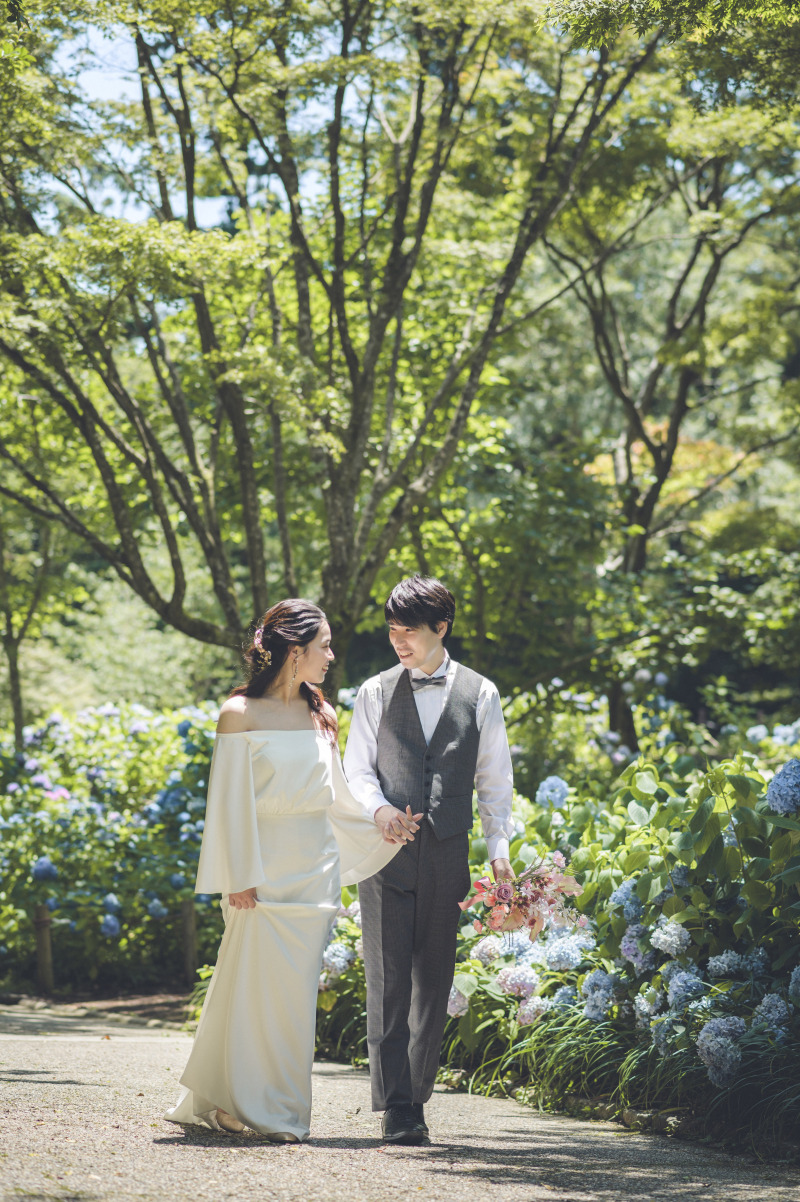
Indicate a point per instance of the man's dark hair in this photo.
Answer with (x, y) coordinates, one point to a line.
(421, 601)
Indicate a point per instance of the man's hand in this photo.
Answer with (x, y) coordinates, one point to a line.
(502, 870)
(243, 901)
(397, 827)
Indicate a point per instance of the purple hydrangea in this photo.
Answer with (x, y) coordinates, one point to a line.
(532, 1009)
(630, 948)
(457, 1003)
(13, 787)
(783, 791)
(518, 980)
(718, 1048)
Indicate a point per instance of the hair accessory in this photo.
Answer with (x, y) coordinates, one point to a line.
(266, 654)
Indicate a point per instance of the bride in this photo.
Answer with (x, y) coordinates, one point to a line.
(282, 832)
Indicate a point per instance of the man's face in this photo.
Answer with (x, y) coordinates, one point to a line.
(418, 646)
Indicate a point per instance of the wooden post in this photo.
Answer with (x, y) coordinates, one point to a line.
(189, 928)
(44, 949)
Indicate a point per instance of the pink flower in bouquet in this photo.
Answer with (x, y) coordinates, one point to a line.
(515, 920)
(558, 859)
(478, 925)
(504, 891)
(497, 917)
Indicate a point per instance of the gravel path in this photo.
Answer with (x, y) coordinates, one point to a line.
(81, 1109)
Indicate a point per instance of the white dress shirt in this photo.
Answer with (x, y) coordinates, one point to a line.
(493, 773)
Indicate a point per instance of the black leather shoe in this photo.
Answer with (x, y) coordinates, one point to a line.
(400, 1125)
(419, 1112)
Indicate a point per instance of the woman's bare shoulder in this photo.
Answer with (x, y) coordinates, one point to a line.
(233, 716)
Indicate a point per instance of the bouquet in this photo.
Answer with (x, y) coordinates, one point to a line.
(533, 899)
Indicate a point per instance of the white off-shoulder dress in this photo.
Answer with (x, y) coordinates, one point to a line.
(281, 818)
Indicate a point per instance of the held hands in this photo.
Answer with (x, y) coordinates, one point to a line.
(502, 870)
(243, 901)
(397, 827)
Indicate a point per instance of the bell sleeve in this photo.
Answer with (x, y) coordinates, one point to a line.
(362, 849)
(230, 856)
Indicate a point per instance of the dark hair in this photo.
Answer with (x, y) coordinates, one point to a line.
(289, 622)
(421, 601)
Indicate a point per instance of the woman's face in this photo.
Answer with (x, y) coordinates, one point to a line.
(315, 658)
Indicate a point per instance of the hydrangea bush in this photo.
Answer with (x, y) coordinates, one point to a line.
(101, 818)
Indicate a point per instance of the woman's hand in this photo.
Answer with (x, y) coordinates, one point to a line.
(243, 901)
(395, 826)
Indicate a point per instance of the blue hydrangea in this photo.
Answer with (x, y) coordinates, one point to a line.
(110, 926)
(684, 988)
(177, 880)
(756, 962)
(661, 1032)
(718, 1048)
(184, 727)
(565, 954)
(783, 791)
(786, 735)
(671, 938)
(336, 958)
(553, 791)
(625, 895)
(111, 904)
(726, 964)
(44, 869)
(598, 989)
(774, 1013)
(157, 909)
(757, 734)
(642, 959)
(794, 985)
(52, 903)
(564, 996)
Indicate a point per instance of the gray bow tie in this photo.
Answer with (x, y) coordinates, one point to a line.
(422, 682)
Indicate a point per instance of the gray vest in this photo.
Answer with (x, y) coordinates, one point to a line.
(437, 778)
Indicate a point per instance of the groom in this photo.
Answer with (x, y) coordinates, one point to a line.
(423, 735)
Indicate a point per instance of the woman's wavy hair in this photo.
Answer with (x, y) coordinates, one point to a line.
(290, 622)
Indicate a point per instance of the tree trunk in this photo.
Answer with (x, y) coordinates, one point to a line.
(189, 937)
(620, 716)
(42, 920)
(11, 647)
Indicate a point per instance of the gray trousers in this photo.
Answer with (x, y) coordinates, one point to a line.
(410, 919)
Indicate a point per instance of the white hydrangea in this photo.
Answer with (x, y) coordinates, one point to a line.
(518, 980)
(671, 938)
(488, 949)
(532, 1009)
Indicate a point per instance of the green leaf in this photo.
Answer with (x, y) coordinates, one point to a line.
(466, 983)
(646, 782)
(757, 894)
(702, 814)
(638, 813)
(635, 859)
